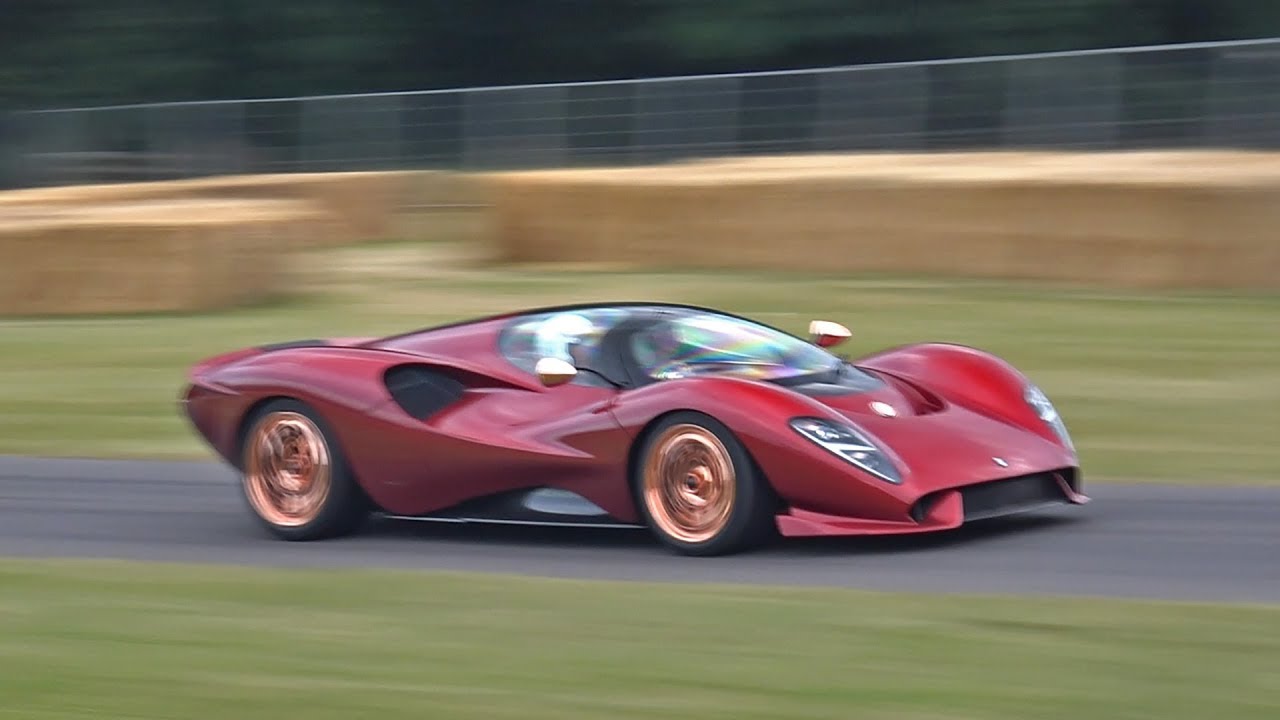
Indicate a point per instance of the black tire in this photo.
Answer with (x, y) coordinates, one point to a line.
(340, 509)
(699, 447)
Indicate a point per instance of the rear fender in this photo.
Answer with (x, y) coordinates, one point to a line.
(345, 385)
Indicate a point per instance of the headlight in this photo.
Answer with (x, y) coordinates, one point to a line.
(850, 444)
(1044, 409)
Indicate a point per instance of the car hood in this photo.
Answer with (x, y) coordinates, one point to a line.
(878, 396)
(939, 443)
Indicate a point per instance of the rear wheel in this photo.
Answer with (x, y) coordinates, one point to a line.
(296, 480)
(699, 491)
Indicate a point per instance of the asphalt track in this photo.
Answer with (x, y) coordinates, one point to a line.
(1140, 541)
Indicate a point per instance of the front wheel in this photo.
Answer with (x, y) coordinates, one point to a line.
(699, 491)
(295, 479)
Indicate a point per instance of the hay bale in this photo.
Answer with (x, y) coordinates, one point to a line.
(1148, 219)
(364, 204)
(148, 257)
(442, 206)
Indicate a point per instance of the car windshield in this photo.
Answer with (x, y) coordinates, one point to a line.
(702, 343)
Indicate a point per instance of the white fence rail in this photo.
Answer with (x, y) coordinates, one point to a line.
(1200, 95)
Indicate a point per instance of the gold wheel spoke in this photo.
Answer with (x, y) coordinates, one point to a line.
(287, 469)
(689, 483)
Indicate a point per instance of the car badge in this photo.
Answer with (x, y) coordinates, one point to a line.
(883, 409)
(1000, 461)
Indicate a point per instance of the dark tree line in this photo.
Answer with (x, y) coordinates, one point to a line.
(72, 52)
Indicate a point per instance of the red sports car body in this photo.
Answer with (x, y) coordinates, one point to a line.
(712, 430)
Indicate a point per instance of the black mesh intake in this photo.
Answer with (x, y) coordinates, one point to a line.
(1005, 497)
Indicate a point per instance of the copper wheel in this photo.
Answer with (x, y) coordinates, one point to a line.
(689, 483)
(287, 469)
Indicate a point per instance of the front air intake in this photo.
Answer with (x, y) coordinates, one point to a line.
(1014, 495)
(1003, 497)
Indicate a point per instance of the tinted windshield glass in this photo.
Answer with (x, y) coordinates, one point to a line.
(705, 343)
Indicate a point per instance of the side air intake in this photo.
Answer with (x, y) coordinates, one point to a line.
(421, 391)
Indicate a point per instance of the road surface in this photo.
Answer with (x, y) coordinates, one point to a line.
(1141, 541)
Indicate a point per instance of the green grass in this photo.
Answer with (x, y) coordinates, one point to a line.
(1154, 387)
(117, 640)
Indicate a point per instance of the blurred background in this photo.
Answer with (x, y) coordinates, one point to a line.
(133, 90)
(1088, 188)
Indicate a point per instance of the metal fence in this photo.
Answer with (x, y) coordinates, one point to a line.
(1201, 95)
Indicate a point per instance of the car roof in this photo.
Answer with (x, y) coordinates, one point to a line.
(512, 315)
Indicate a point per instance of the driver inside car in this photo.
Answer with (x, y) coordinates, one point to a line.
(563, 337)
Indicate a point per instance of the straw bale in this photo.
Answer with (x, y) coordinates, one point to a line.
(1199, 219)
(364, 204)
(149, 257)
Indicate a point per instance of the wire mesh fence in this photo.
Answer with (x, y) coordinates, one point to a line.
(1179, 96)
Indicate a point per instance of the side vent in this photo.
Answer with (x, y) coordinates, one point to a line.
(421, 391)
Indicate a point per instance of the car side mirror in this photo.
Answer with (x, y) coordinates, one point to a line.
(825, 333)
(554, 371)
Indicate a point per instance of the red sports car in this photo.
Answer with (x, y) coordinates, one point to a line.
(714, 431)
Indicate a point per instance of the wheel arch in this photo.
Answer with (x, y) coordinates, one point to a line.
(646, 431)
(254, 409)
(244, 422)
(750, 410)
(642, 436)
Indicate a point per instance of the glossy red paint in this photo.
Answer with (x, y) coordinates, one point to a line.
(947, 448)
(967, 377)
(955, 409)
(507, 432)
(947, 514)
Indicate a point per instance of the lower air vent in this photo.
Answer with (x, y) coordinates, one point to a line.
(420, 391)
(922, 508)
(1005, 497)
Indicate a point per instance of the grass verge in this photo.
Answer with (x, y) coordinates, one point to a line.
(120, 640)
(1165, 387)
